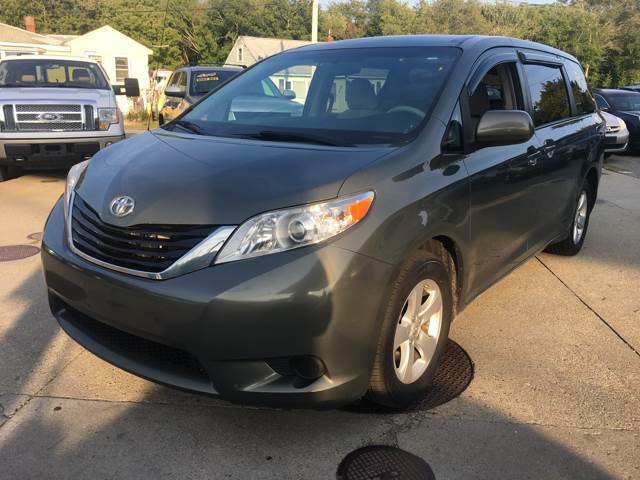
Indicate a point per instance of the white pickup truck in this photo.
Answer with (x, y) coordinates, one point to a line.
(56, 111)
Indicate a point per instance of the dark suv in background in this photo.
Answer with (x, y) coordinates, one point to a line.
(624, 104)
(187, 85)
(309, 256)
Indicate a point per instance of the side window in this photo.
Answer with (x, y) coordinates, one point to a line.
(549, 98)
(173, 81)
(584, 101)
(601, 102)
(499, 89)
(182, 80)
(453, 141)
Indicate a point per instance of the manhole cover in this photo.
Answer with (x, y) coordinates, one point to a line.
(16, 252)
(381, 462)
(451, 379)
(36, 237)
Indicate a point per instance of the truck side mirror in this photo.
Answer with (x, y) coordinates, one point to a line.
(131, 87)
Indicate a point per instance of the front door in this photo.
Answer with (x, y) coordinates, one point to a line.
(504, 183)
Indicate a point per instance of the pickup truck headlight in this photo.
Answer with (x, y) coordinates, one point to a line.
(74, 176)
(296, 227)
(107, 117)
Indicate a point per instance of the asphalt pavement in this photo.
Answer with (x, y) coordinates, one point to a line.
(555, 395)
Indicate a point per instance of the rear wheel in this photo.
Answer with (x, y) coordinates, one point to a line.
(415, 329)
(572, 244)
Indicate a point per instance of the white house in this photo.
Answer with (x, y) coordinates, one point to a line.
(120, 56)
(248, 50)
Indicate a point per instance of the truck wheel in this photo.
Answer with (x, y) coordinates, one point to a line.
(415, 329)
(572, 244)
(8, 172)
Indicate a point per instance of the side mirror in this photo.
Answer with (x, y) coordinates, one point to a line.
(131, 87)
(604, 109)
(289, 94)
(504, 127)
(174, 91)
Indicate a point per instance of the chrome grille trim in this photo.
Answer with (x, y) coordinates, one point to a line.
(199, 257)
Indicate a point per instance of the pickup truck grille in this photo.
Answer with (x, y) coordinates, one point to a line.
(49, 117)
(146, 248)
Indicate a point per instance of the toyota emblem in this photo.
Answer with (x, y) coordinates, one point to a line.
(122, 206)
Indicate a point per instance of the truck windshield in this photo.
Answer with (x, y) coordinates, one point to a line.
(52, 73)
(203, 81)
(356, 96)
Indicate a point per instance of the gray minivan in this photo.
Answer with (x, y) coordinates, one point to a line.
(312, 256)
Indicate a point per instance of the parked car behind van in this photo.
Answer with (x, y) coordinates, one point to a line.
(624, 104)
(187, 85)
(310, 257)
(56, 111)
(616, 134)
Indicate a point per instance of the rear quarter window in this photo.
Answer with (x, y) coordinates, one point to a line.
(549, 97)
(584, 101)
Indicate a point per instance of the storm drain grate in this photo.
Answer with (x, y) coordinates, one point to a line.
(16, 252)
(382, 462)
(451, 379)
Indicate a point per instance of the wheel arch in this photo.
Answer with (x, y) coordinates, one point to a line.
(592, 178)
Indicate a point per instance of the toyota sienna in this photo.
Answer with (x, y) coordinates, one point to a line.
(310, 256)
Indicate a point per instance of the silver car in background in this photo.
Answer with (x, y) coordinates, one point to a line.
(56, 111)
(617, 134)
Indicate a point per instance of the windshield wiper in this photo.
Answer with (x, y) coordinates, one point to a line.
(190, 126)
(271, 135)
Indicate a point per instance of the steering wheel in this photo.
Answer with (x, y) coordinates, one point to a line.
(408, 109)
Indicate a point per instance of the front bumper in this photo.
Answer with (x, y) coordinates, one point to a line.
(51, 152)
(616, 142)
(233, 329)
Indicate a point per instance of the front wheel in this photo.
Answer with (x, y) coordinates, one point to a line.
(415, 329)
(572, 244)
(8, 172)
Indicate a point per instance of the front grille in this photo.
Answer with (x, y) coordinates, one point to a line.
(29, 117)
(136, 348)
(45, 107)
(146, 248)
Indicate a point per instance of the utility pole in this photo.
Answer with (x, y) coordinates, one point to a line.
(314, 22)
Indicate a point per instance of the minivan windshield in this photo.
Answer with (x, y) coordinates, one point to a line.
(358, 96)
(203, 81)
(625, 101)
(52, 73)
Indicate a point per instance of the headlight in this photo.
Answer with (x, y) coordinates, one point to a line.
(75, 173)
(297, 227)
(622, 124)
(106, 117)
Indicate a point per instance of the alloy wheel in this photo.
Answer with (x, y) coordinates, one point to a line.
(580, 220)
(417, 331)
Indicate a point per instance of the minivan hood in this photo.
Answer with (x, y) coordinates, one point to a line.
(197, 180)
(54, 95)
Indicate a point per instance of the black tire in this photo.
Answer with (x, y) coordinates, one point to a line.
(8, 172)
(432, 262)
(568, 247)
(160, 120)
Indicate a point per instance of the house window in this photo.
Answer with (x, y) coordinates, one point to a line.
(122, 68)
(240, 54)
